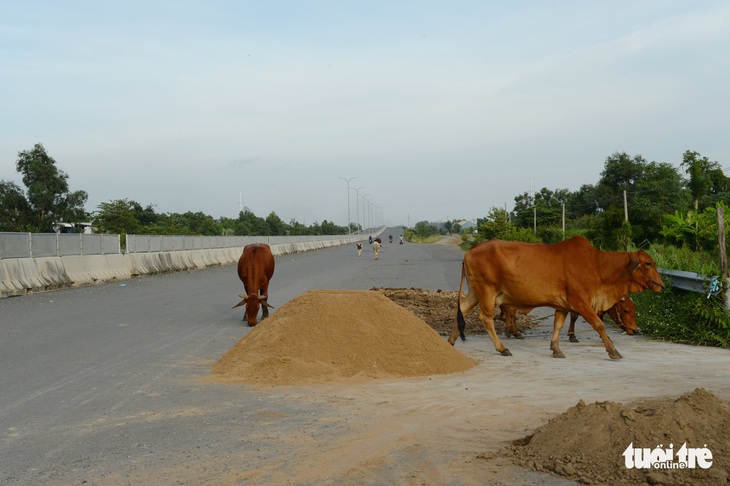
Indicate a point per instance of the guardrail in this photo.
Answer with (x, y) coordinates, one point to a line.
(693, 282)
(40, 245)
(155, 243)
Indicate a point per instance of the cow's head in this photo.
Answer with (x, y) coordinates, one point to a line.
(624, 315)
(644, 274)
(252, 303)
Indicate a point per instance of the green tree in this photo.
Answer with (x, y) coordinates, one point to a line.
(425, 229)
(297, 228)
(497, 224)
(661, 190)
(251, 225)
(200, 224)
(707, 182)
(544, 210)
(117, 217)
(14, 209)
(276, 225)
(48, 197)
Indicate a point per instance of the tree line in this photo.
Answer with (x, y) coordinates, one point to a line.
(47, 200)
(664, 203)
(634, 202)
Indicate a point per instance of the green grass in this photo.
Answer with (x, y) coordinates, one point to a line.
(414, 238)
(681, 316)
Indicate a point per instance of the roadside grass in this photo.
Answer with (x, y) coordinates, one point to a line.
(681, 316)
(414, 238)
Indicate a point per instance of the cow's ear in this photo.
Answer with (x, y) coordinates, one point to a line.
(634, 263)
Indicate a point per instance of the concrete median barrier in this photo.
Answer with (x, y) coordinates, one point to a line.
(24, 275)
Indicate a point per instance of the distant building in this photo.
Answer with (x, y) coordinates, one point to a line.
(73, 228)
(468, 224)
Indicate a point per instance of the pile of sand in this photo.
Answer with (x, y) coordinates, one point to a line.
(327, 335)
(437, 308)
(587, 442)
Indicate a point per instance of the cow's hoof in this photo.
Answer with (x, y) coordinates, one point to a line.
(573, 339)
(505, 352)
(519, 336)
(614, 354)
(558, 354)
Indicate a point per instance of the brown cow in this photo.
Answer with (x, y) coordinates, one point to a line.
(568, 276)
(623, 314)
(255, 269)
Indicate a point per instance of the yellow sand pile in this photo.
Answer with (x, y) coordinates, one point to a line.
(328, 335)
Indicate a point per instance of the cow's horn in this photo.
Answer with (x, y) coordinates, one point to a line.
(243, 302)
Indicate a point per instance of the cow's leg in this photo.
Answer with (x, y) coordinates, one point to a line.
(466, 303)
(557, 327)
(597, 324)
(486, 315)
(509, 314)
(571, 329)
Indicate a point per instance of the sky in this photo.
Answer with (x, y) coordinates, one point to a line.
(431, 110)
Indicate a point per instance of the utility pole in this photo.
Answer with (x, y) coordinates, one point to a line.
(349, 229)
(357, 207)
(723, 252)
(534, 209)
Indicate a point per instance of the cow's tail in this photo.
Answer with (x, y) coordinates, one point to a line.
(459, 316)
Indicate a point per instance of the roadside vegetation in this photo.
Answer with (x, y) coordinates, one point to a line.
(672, 212)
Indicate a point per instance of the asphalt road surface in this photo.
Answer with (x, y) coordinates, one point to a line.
(106, 384)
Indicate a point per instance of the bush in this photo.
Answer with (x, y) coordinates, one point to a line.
(683, 317)
(680, 316)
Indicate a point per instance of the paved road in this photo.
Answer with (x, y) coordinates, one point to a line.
(106, 384)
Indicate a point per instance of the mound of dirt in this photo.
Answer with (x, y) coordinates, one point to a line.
(328, 335)
(438, 310)
(587, 443)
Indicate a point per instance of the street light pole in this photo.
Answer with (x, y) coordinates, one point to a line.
(349, 229)
(357, 206)
(366, 218)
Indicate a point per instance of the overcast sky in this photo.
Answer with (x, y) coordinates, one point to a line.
(440, 109)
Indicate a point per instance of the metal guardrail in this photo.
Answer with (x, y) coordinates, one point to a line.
(692, 282)
(159, 243)
(39, 245)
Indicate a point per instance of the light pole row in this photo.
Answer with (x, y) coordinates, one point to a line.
(374, 212)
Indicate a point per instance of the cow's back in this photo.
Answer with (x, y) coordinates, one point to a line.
(255, 265)
(530, 274)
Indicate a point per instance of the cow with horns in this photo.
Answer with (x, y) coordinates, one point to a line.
(255, 269)
(569, 276)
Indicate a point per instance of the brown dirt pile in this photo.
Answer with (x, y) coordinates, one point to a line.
(327, 335)
(587, 442)
(438, 310)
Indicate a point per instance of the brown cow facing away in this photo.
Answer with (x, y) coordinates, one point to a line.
(570, 276)
(623, 314)
(255, 269)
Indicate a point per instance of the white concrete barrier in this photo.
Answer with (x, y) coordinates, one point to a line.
(24, 275)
